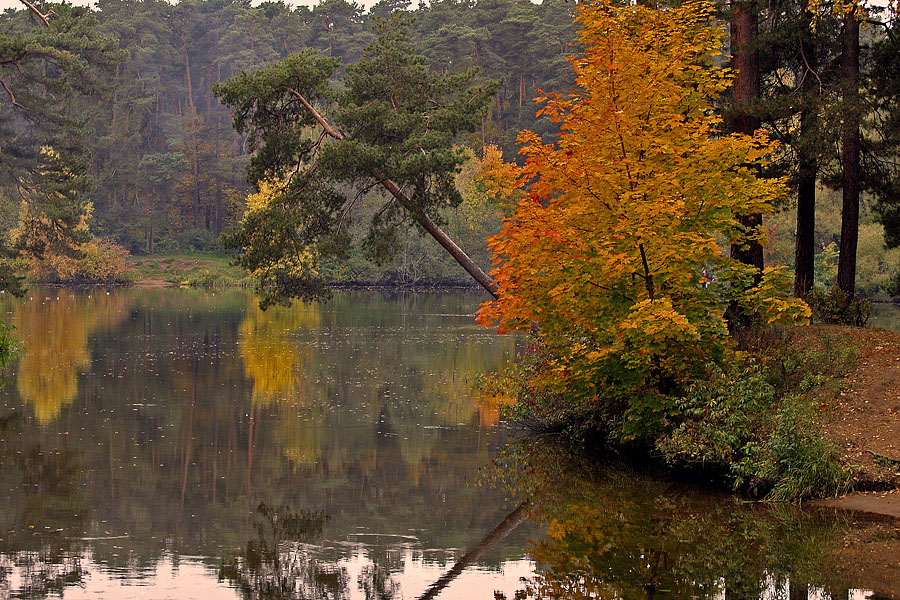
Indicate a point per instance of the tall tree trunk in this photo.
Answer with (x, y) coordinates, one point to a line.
(194, 144)
(850, 156)
(805, 250)
(744, 30)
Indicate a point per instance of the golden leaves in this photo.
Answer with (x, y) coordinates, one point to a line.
(617, 239)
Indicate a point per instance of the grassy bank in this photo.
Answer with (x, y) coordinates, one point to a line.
(195, 269)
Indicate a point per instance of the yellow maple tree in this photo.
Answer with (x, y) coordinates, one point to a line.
(617, 248)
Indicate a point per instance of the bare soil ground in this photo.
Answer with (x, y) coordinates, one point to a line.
(863, 418)
(863, 421)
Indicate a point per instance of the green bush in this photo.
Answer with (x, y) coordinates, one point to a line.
(836, 307)
(8, 344)
(720, 419)
(736, 422)
(796, 460)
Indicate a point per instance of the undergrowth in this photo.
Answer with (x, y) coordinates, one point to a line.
(753, 419)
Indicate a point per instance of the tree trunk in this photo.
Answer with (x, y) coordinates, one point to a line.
(194, 144)
(805, 250)
(850, 156)
(442, 238)
(421, 218)
(744, 29)
(507, 526)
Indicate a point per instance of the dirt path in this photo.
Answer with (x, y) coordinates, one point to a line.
(878, 503)
(863, 419)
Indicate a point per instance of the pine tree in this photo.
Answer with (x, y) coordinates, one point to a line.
(393, 128)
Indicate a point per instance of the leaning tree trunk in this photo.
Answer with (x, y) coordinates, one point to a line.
(745, 60)
(850, 143)
(419, 215)
(805, 250)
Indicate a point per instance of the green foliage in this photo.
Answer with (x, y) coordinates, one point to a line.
(9, 347)
(758, 417)
(796, 459)
(191, 269)
(835, 307)
(766, 442)
(720, 418)
(397, 120)
(401, 119)
(45, 161)
(877, 264)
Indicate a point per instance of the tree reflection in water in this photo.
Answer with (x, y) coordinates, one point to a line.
(275, 563)
(55, 331)
(613, 533)
(39, 536)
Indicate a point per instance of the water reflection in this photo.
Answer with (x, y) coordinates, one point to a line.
(55, 330)
(274, 564)
(612, 533)
(192, 409)
(174, 443)
(38, 530)
(272, 360)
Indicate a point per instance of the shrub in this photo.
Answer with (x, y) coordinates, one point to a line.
(97, 261)
(103, 261)
(796, 461)
(721, 418)
(736, 422)
(836, 307)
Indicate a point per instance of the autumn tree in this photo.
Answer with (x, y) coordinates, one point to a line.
(617, 249)
(393, 129)
(49, 58)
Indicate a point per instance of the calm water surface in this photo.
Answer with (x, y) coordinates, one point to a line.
(183, 444)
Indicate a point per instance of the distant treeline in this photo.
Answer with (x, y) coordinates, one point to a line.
(170, 171)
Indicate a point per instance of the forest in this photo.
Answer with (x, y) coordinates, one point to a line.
(153, 165)
(166, 169)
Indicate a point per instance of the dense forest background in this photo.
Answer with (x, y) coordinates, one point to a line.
(168, 170)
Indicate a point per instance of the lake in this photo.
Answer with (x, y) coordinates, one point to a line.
(184, 444)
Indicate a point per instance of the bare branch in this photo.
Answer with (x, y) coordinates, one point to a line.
(43, 17)
(325, 124)
(648, 277)
(10, 94)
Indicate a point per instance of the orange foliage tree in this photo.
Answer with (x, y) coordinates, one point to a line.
(616, 249)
